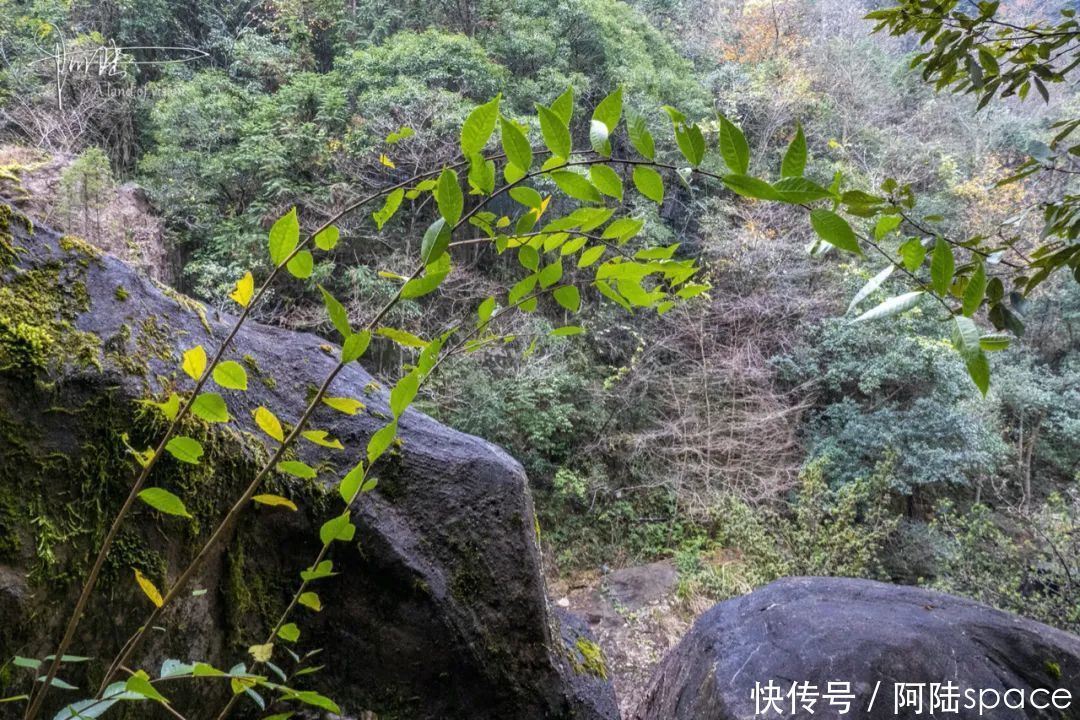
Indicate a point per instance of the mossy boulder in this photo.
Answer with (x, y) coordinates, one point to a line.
(439, 605)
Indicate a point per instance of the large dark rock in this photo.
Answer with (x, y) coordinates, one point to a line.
(820, 630)
(439, 607)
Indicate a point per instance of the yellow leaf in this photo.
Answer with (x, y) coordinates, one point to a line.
(349, 406)
(149, 588)
(543, 207)
(387, 161)
(262, 653)
(245, 289)
(195, 362)
(275, 501)
(269, 423)
(320, 437)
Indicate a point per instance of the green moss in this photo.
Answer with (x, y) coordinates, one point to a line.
(121, 293)
(267, 380)
(9, 251)
(186, 303)
(591, 658)
(38, 308)
(75, 244)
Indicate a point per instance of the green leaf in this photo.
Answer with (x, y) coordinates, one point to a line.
(550, 274)
(479, 126)
(606, 181)
(484, 311)
(568, 297)
(563, 106)
(289, 632)
(400, 134)
(139, 683)
(649, 183)
(834, 230)
(750, 187)
(576, 186)
(164, 501)
(640, 137)
(28, 663)
(310, 600)
(605, 118)
(284, 237)
(350, 484)
(338, 528)
(481, 174)
(515, 145)
(527, 196)
(590, 256)
(799, 190)
(302, 265)
(622, 229)
(231, 375)
(555, 132)
(297, 469)
(978, 368)
(885, 225)
(794, 162)
(436, 241)
(401, 337)
(269, 423)
(975, 290)
(337, 313)
(322, 570)
(210, 407)
(390, 206)
(912, 252)
(433, 276)
(185, 449)
(892, 306)
(529, 257)
(691, 143)
(733, 147)
(609, 110)
(327, 238)
(403, 393)
(994, 342)
(566, 331)
(942, 267)
(355, 345)
(873, 284)
(380, 441)
(965, 337)
(449, 198)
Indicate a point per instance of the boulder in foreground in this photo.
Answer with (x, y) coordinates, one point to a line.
(439, 608)
(822, 630)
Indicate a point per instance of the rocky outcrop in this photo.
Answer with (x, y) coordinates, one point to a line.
(439, 606)
(822, 630)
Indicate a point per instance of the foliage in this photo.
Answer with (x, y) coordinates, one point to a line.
(1023, 561)
(841, 531)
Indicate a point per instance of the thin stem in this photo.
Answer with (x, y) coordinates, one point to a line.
(38, 697)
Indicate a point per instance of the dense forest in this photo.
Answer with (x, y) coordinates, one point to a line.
(751, 432)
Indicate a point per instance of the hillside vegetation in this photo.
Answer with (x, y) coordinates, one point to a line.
(754, 432)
